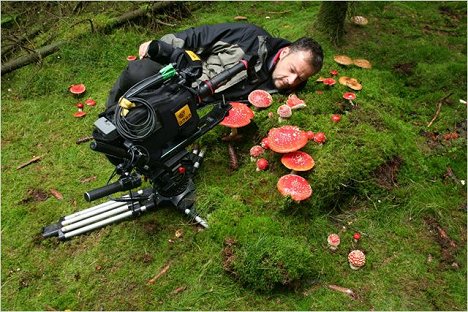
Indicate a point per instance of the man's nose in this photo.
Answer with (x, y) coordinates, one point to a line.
(292, 78)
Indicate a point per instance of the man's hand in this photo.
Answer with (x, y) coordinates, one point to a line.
(143, 50)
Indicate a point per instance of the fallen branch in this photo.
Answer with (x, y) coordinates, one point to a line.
(161, 273)
(37, 55)
(233, 163)
(33, 160)
(84, 139)
(439, 106)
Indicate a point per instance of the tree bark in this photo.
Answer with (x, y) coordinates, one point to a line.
(331, 18)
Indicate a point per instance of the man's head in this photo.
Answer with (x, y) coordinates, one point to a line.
(297, 62)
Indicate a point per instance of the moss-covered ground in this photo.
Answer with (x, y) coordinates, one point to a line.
(383, 172)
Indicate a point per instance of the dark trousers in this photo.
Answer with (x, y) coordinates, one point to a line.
(135, 72)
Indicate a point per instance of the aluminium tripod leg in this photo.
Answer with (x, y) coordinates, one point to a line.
(95, 217)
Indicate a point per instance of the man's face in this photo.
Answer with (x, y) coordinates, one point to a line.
(291, 69)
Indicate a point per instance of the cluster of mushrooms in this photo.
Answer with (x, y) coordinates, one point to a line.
(78, 90)
(286, 140)
(356, 258)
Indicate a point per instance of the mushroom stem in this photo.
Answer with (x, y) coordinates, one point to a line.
(293, 172)
(350, 101)
(233, 132)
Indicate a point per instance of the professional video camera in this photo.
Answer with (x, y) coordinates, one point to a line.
(146, 136)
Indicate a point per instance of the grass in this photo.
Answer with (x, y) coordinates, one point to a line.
(382, 172)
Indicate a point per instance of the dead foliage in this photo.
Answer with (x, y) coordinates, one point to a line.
(386, 174)
(228, 254)
(448, 246)
(34, 195)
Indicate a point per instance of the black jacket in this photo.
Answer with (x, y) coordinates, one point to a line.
(221, 46)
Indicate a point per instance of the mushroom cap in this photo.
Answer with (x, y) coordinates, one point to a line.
(260, 98)
(256, 151)
(343, 80)
(320, 137)
(310, 135)
(265, 143)
(90, 102)
(349, 96)
(77, 88)
(294, 102)
(334, 72)
(359, 20)
(353, 84)
(343, 60)
(238, 116)
(262, 164)
(329, 81)
(79, 114)
(131, 58)
(286, 139)
(335, 118)
(357, 236)
(333, 239)
(362, 63)
(356, 258)
(284, 111)
(295, 186)
(298, 161)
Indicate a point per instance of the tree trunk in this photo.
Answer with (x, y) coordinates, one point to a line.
(331, 18)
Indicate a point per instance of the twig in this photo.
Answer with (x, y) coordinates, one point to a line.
(278, 12)
(343, 290)
(439, 105)
(164, 23)
(233, 163)
(84, 139)
(33, 160)
(161, 273)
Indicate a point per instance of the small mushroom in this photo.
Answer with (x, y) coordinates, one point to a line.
(294, 102)
(362, 63)
(77, 89)
(329, 82)
(265, 143)
(359, 20)
(284, 112)
(90, 102)
(255, 152)
(310, 135)
(295, 186)
(286, 139)
(336, 118)
(80, 113)
(350, 96)
(333, 241)
(320, 137)
(298, 161)
(131, 58)
(343, 60)
(356, 237)
(356, 259)
(353, 84)
(260, 99)
(334, 72)
(262, 164)
(238, 116)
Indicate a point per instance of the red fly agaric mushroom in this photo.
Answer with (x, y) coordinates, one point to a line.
(356, 237)
(310, 135)
(334, 72)
(320, 137)
(131, 58)
(350, 96)
(356, 259)
(77, 89)
(260, 98)
(298, 161)
(80, 113)
(294, 102)
(284, 112)
(295, 186)
(238, 116)
(335, 118)
(90, 102)
(264, 143)
(333, 241)
(329, 81)
(286, 139)
(262, 164)
(255, 152)
(343, 60)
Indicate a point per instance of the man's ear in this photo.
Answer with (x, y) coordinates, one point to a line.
(284, 52)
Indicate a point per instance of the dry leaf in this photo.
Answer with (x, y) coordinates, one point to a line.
(157, 276)
(56, 194)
